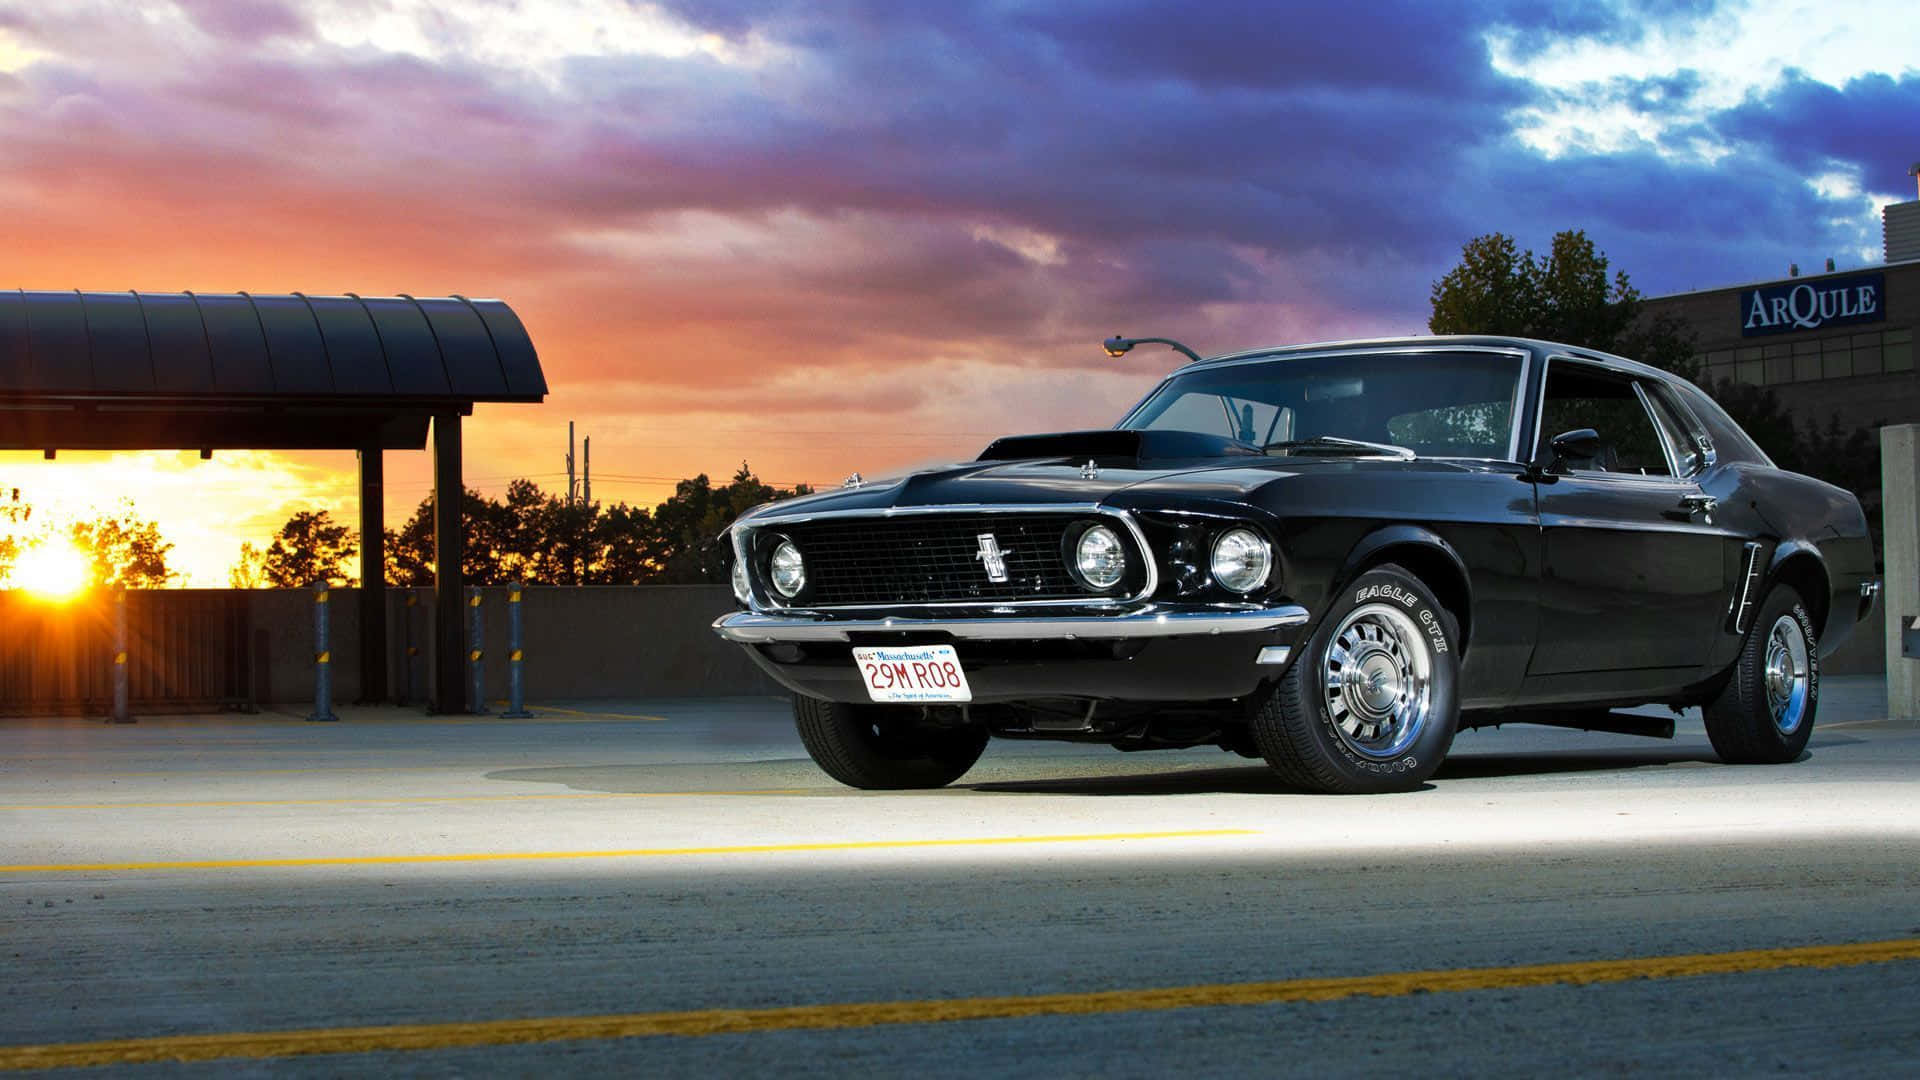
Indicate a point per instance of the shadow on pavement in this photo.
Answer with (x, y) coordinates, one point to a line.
(1545, 762)
(1252, 780)
(674, 778)
(1258, 780)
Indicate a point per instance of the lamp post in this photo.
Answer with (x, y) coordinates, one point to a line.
(1119, 346)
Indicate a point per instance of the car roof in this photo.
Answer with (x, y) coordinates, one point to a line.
(1534, 345)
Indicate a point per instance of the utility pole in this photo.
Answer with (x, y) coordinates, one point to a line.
(570, 488)
(586, 471)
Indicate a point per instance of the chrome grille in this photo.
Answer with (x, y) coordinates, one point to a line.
(933, 558)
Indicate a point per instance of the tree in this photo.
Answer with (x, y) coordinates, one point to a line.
(540, 539)
(691, 520)
(483, 561)
(308, 548)
(249, 570)
(1562, 296)
(125, 549)
(627, 546)
(16, 513)
(1493, 290)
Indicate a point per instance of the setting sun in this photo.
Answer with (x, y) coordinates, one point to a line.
(53, 569)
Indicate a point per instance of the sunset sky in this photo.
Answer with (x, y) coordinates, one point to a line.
(826, 236)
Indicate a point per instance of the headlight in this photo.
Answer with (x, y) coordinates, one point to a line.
(1099, 558)
(742, 590)
(789, 571)
(1241, 560)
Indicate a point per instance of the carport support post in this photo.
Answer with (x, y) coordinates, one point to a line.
(373, 578)
(449, 632)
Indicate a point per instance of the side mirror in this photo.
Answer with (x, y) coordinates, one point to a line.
(1580, 444)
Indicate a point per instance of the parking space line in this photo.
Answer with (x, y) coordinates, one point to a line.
(705, 1022)
(578, 714)
(217, 773)
(625, 853)
(264, 772)
(373, 800)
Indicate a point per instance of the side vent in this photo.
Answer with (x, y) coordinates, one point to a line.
(1743, 599)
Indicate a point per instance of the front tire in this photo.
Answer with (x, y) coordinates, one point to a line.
(881, 748)
(1371, 703)
(1764, 715)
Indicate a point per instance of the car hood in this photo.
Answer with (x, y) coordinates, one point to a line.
(1116, 479)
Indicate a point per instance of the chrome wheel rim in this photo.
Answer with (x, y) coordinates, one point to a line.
(1786, 674)
(1377, 681)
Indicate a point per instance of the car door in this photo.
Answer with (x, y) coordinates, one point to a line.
(1632, 571)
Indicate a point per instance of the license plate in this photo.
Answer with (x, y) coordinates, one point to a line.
(913, 673)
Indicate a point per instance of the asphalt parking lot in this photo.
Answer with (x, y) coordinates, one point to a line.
(670, 886)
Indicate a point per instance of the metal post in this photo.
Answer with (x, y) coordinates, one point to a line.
(476, 653)
(322, 657)
(516, 685)
(120, 713)
(409, 652)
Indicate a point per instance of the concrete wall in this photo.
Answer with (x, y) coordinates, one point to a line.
(1864, 653)
(656, 641)
(598, 642)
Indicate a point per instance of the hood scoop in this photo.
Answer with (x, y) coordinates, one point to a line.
(1112, 448)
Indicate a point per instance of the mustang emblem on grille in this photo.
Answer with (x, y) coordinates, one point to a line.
(992, 557)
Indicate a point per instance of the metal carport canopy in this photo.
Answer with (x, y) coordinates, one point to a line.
(205, 371)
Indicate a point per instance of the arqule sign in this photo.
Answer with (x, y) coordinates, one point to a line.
(1813, 305)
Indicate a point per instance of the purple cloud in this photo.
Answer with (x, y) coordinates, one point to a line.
(1872, 123)
(246, 21)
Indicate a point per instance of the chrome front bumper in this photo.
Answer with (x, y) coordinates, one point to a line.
(753, 628)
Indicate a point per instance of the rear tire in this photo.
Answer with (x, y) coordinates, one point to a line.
(880, 748)
(1764, 715)
(1371, 703)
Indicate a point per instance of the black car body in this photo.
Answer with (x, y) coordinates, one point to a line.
(1567, 532)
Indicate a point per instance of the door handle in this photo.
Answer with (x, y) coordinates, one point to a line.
(1700, 504)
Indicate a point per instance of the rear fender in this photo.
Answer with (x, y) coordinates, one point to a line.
(1800, 564)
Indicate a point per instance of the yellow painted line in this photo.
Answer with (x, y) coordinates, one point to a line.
(375, 800)
(703, 1022)
(591, 715)
(214, 773)
(624, 853)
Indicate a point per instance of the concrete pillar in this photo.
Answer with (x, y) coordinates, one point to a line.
(1900, 595)
(373, 578)
(449, 625)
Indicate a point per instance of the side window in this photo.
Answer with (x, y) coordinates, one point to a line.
(1730, 444)
(1681, 431)
(1477, 430)
(1578, 396)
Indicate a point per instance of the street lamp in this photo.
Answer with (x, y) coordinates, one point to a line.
(1118, 346)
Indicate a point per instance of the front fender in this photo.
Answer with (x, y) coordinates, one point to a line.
(1424, 553)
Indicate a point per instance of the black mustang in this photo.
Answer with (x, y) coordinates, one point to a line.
(1329, 556)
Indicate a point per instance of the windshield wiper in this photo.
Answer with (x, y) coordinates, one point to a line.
(1333, 444)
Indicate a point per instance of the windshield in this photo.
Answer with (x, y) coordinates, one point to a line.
(1437, 404)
